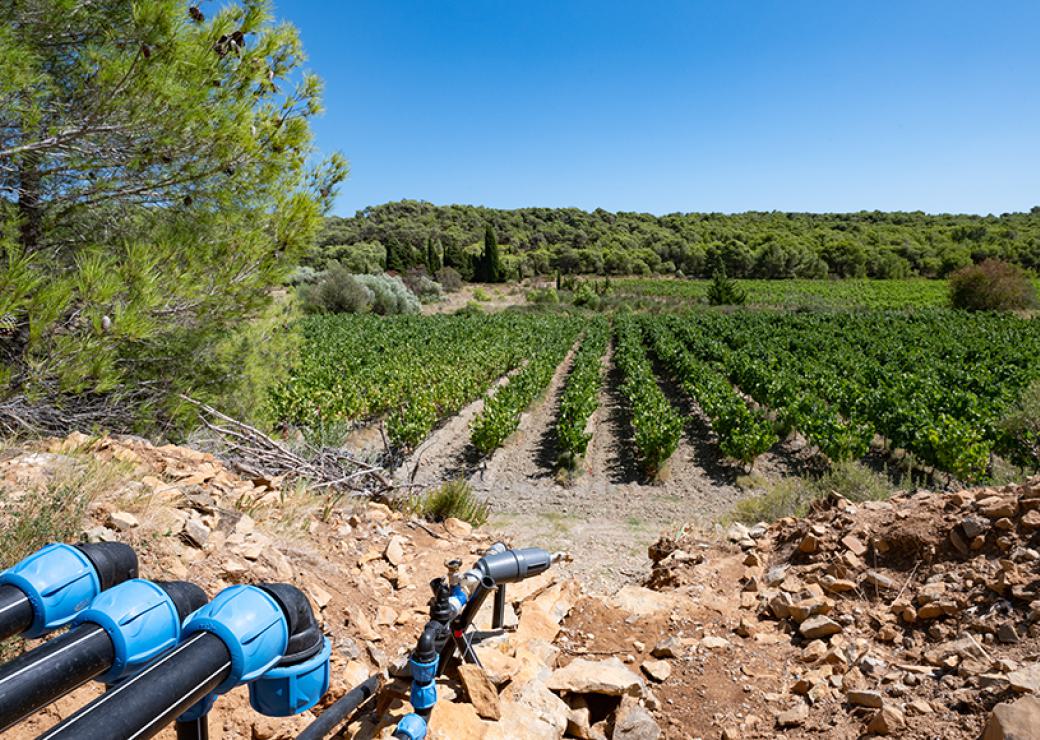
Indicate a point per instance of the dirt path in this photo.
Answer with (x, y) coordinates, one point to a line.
(442, 456)
(499, 296)
(608, 516)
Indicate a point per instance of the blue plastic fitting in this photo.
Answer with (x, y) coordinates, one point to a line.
(411, 727)
(252, 626)
(457, 599)
(424, 695)
(423, 672)
(59, 582)
(291, 689)
(140, 619)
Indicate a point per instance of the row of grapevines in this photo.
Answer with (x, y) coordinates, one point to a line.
(411, 370)
(501, 413)
(579, 397)
(657, 425)
(935, 383)
(743, 434)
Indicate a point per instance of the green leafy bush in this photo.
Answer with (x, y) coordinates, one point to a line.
(1021, 427)
(335, 291)
(992, 285)
(545, 296)
(479, 294)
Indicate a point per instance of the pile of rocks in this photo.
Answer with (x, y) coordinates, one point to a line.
(899, 609)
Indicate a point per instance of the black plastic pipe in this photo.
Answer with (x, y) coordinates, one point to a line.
(462, 622)
(193, 729)
(341, 710)
(499, 615)
(16, 612)
(143, 705)
(38, 677)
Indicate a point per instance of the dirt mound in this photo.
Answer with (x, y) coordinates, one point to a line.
(914, 616)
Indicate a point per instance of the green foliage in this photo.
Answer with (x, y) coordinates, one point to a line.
(792, 496)
(992, 286)
(449, 279)
(586, 296)
(335, 291)
(155, 186)
(657, 425)
(489, 267)
(452, 499)
(771, 245)
(425, 289)
(547, 296)
(581, 395)
(481, 295)
(743, 434)
(724, 291)
(412, 370)
(1021, 427)
(501, 413)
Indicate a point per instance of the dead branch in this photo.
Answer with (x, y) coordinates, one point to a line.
(330, 470)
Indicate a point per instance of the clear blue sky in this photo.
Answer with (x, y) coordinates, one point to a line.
(672, 105)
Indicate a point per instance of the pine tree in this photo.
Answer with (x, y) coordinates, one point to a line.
(153, 187)
(723, 291)
(433, 257)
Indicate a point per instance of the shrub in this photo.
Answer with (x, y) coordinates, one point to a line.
(420, 283)
(481, 295)
(302, 275)
(390, 296)
(449, 278)
(543, 296)
(452, 499)
(1021, 428)
(472, 308)
(725, 292)
(792, 496)
(992, 285)
(584, 295)
(337, 291)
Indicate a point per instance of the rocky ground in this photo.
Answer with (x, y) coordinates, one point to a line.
(915, 617)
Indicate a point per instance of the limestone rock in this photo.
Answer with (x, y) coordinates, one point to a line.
(451, 721)
(123, 521)
(1026, 680)
(817, 627)
(658, 670)
(864, 698)
(1017, 720)
(481, 691)
(196, 532)
(794, 716)
(886, 721)
(610, 677)
(669, 647)
(635, 724)
(394, 552)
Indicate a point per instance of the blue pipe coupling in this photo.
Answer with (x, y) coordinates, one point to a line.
(253, 627)
(141, 620)
(59, 581)
(290, 689)
(411, 727)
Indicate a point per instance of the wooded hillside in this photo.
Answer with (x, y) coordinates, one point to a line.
(754, 244)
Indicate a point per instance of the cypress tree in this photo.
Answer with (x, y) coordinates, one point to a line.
(490, 267)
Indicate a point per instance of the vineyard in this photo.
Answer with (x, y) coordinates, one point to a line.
(932, 384)
(799, 294)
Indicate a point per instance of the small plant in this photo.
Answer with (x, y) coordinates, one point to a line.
(481, 295)
(992, 285)
(452, 499)
(390, 296)
(725, 292)
(792, 496)
(585, 295)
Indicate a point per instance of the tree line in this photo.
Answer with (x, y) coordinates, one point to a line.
(538, 241)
